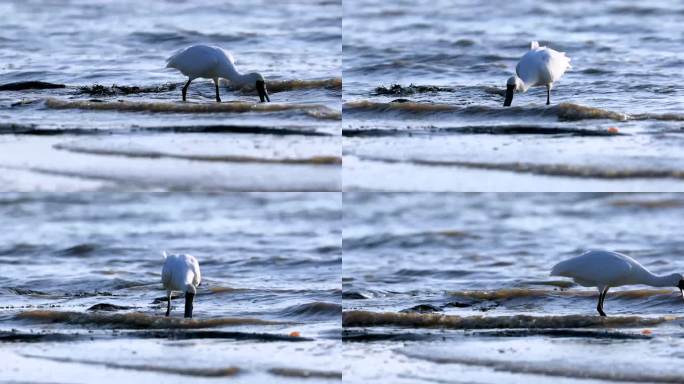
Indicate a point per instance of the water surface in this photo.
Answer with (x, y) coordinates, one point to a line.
(81, 297)
(424, 84)
(456, 288)
(110, 58)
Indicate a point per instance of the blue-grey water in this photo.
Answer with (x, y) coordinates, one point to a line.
(81, 296)
(423, 95)
(456, 288)
(111, 57)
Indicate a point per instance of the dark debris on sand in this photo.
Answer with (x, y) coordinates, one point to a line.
(101, 90)
(21, 85)
(398, 90)
(422, 308)
(109, 307)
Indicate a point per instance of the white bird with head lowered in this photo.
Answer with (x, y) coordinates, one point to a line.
(540, 66)
(181, 273)
(209, 62)
(606, 269)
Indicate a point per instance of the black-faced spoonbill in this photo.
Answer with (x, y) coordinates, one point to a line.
(213, 63)
(181, 273)
(541, 66)
(605, 269)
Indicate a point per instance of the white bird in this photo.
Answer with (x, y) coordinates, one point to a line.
(181, 273)
(213, 63)
(541, 66)
(605, 269)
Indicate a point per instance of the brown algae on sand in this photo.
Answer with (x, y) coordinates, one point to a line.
(317, 111)
(135, 320)
(422, 320)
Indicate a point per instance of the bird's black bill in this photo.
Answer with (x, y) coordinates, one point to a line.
(189, 297)
(261, 89)
(509, 95)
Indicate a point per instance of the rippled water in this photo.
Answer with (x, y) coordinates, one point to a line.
(110, 57)
(80, 287)
(437, 285)
(424, 83)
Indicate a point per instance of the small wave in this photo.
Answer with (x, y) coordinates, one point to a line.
(647, 204)
(275, 86)
(573, 333)
(80, 250)
(514, 293)
(134, 320)
(566, 170)
(22, 85)
(563, 111)
(429, 320)
(149, 154)
(184, 371)
(479, 130)
(174, 334)
(564, 369)
(317, 111)
(16, 129)
(301, 373)
(315, 310)
(407, 240)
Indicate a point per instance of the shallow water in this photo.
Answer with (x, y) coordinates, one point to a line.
(111, 59)
(423, 81)
(80, 290)
(456, 288)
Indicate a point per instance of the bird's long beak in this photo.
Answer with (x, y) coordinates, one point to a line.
(509, 95)
(261, 89)
(189, 297)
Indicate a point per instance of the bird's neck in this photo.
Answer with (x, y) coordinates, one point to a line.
(658, 281)
(231, 73)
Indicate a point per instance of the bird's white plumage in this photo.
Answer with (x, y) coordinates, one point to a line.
(541, 66)
(181, 273)
(203, 61)
(600, 268)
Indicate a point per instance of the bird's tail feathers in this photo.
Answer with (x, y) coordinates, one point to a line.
(164, 254)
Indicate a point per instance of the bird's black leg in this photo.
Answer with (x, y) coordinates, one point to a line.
(185, 89)
(189, 296)
(168, 305)
(548, 94)
(602, 298)
(218, 98)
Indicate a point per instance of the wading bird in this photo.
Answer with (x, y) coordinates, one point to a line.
(540, 66)
(605, 269)
(181, 273)
(203, 61)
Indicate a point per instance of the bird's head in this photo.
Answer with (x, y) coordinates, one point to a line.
(680, 282)
(514, 84)
(260, 84)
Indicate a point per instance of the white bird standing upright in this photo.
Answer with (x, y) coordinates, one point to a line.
(540, 66)
(605, 269)
(181, 273)
(213, 63)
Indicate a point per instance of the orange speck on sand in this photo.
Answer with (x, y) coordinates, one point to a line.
(613, 130)
(295, 334)
(646, 332)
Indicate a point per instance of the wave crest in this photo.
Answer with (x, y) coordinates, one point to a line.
(428, 320)
(316, 111)
(134, 320)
